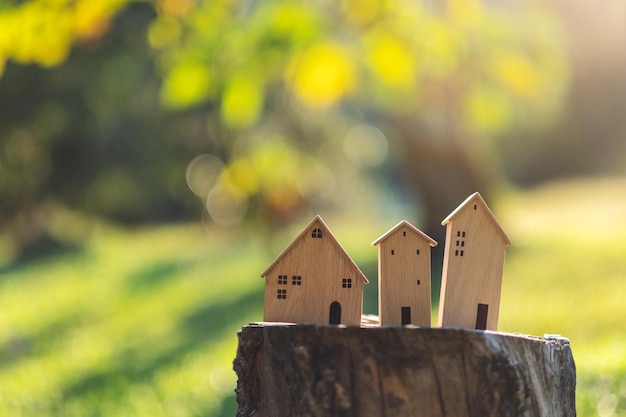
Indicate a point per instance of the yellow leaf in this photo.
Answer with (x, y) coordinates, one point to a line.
(440, 46)
(242, 100)
(91, 19)
(362, 12)
(241, 175)
(322, 75)
(392, 61)
(486, 110)
(187, 84)
(518, 73)
(175, 7)
(465, 12)
(39, 34)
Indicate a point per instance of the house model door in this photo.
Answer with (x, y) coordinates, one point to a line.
(334, 316)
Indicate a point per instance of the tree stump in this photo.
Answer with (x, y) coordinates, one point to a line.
(318, 371)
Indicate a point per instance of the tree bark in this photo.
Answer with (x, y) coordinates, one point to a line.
(319, 371)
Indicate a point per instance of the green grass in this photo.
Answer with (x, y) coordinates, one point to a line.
(144, 322)
(566, 274)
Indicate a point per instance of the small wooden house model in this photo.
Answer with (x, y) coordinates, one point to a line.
(404, 276)
(473, 264)
(314, 281)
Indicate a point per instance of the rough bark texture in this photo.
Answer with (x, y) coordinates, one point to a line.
(317, 371)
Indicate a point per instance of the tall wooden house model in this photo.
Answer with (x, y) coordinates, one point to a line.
(404, 276)
(473, 263)
(314, 281)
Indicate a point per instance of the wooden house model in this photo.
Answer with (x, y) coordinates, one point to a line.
(404, 276)
(314, 281)
(473, 264)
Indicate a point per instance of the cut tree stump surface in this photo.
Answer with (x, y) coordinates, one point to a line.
(311, 370)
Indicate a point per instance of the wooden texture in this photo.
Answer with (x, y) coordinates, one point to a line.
(404, 276)
(473, 264)
(325, 371)
(314, 281)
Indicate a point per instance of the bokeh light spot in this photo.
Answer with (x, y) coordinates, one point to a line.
(226, 205)
(392, 61)
(322, 75)
(202, 173)
(187, 84)
(607, 405)
(242, 100)
(365, 146)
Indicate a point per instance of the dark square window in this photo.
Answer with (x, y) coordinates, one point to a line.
(346, 283)
(317, 233)
(296, 280)
(282, 294)
(282, 280)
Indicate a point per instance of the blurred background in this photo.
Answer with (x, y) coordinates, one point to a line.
(155, 156)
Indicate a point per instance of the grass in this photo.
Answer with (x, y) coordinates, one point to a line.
(144, 322)
(566, 274)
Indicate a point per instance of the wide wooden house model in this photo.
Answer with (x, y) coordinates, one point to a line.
(314, 281)
(473, 264)
(404, 276)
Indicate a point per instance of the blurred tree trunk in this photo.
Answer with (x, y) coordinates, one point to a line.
(441, 172)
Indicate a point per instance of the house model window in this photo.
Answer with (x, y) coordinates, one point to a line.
(296, 280)
(460, 243)
(282, 294)
(317, 233)
(346, 283)
(282, 280)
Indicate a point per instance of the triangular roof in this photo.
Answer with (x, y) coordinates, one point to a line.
(391, 231)
(476, 198)
(327, 234)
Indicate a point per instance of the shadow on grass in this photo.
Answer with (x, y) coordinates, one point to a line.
(229, 407)
(137, 365)
(45, 248)
(17, 346)
(157, 274)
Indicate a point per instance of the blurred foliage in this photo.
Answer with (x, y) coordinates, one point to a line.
(43, 31)
(90, 134)
(462, 72)
(294, 75)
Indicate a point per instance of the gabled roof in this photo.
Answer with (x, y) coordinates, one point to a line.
(476, 198)
(391, 231)
(319, 222)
